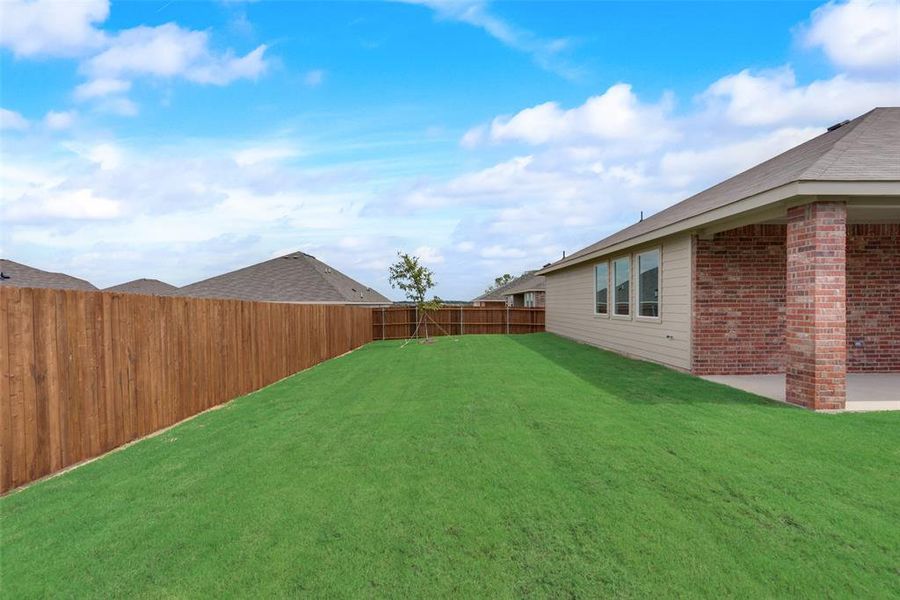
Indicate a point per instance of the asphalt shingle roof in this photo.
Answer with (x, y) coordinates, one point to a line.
(865, 149)
(150, 287)
(533, 283)
(19, 275)
(296, 277)
(499, 294)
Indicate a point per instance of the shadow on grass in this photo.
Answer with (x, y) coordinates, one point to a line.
(636, 381)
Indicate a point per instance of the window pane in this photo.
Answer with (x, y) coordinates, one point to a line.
(648, 286)
(601, 297)
(622, 289)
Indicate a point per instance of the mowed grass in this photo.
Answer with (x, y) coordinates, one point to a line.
(491, 466)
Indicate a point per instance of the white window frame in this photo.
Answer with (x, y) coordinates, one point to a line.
(528, 300)
(608, 290)
(612, 278)
(659, 280)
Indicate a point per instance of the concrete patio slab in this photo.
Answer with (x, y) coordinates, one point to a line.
(865, 391)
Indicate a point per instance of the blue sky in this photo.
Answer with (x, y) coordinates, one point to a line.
(179, 140)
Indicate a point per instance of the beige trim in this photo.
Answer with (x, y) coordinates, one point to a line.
(794, 190)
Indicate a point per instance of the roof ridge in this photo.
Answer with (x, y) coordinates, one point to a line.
(330, 271)
(856, 127)
(848, 151)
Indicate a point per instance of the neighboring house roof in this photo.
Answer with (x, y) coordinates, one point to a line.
(862, 150)
(532, 283)
(150, 287)
(499, 294)
(19, 275)
(296, 277)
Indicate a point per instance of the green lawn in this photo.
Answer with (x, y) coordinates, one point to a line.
(490, 466)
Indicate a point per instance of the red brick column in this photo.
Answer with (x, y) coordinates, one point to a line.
(815, 305)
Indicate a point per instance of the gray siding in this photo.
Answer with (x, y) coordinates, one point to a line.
(570, 308)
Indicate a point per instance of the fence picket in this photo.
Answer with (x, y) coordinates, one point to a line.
(399, 322)
(84, 372)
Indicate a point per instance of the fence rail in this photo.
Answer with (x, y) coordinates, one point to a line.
(85, 372)
(400, 322)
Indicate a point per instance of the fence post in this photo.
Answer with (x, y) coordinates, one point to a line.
(382, 323)
(461, 319)
(416, 331)
(507, 319)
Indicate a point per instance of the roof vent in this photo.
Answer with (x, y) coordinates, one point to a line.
(838, 125)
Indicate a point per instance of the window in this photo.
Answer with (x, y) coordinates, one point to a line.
(648, 284)
(621, 286)
(529, 299)
(601, 289)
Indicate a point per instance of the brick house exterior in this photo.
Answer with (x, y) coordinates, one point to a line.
(792, 267)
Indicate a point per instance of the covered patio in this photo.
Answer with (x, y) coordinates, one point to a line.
(801, 303)
(865, 391)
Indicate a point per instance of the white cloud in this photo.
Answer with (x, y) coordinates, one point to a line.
(118, 105)
(111, 60)
(429, 255)
(52, 28)
(10, 119)
(58, 120)
(107, 156)
(314, 78)
(703, 165)
(858, 35)
(473, 137)
(499, 251)
(774, 97)
(168, 51)
(265, 153)
(97, 88)
(123, 209)
(79, 204)
(616, 115)
(546, 53)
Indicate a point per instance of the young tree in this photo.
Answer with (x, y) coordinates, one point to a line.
(499, 282)
(414, 279)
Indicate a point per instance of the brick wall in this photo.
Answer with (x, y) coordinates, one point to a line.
(815, 306)
(739, 282)
(738, 316)
(873, 297)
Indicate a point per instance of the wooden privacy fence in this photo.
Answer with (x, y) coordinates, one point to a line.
(85, 372)
(400, 322)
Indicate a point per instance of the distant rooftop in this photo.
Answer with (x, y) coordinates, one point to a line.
(531, 283)
(499, 294)
(296, 277)
(19, 275)
(150, 287)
